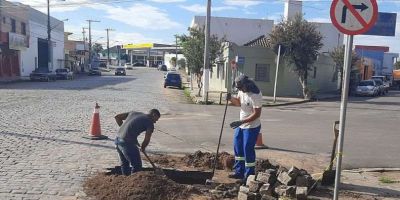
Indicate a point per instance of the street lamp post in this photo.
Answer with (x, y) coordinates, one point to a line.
(49, 54)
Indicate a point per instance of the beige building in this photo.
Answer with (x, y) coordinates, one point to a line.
(14, 37)
(75, 54)
(259, 63)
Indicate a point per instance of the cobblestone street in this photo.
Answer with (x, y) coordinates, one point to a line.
(42, 152)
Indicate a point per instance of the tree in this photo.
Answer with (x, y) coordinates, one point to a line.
(182, 63)
(172, 61)
(338, 57)
(397, 65)
(193, 50)
(97, 48)
(301, 42)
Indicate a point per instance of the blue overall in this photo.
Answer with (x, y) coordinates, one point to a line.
(245, 155)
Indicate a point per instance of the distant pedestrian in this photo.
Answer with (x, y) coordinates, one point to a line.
(249, 98)
(132, 124)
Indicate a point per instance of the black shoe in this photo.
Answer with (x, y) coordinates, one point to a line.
(235, 176)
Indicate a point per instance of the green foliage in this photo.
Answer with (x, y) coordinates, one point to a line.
(193, 50)
(182, 63)
(301, 42)
(397, 65)
(388, 180)
(172, 61)
(97, 48)
(338, 57)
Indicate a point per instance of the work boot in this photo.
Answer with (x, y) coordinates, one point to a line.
(235, 176)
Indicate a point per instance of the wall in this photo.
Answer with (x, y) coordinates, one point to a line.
(168, 57)
(38, 29)
(237, 30)
(288, 83)
(388, 62)
(332, 38)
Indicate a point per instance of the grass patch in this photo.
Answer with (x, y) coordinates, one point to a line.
(186, 92)
(388, 180)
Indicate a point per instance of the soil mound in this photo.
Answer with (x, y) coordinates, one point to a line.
(198, 160)
(141, 185)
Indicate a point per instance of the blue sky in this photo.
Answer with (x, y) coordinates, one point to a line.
(139, 21)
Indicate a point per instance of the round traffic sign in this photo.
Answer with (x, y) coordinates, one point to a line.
(354, 17)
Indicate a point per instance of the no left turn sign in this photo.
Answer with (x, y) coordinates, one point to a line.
(354, 17)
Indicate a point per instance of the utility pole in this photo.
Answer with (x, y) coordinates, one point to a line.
(108, 46)
(90, 40)
(206, 66)
(49, 55)
(176, 51)
(84, 48)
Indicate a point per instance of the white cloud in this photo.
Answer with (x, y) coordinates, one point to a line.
(56, 6)
(245, 3)
(140, 15)
(319, 19)
(198, 9)
(167, 1)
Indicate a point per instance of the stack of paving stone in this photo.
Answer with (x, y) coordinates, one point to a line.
(274, 184)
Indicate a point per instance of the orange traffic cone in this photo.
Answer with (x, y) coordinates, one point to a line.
(259, 142)
(95, 130)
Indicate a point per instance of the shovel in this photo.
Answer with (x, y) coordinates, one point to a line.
(157, 170)
(328, 177)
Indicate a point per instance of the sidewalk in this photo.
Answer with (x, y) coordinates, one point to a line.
(218, 97)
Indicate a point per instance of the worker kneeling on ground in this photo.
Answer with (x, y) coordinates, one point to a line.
(132, 124)
(249, 98)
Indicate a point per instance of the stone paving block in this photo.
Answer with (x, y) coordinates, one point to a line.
(285, 179)
(34, 192)
(244, 189)
(266, 177)
(268, 197)
(248, 196)
(18, 192)
(293, 172)
(266, 189)
(3, 190)
(301, 193)
(286, 191)
(254, 186)
(250, 178)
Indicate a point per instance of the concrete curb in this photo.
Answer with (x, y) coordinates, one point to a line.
(286, 103)
(360, 170)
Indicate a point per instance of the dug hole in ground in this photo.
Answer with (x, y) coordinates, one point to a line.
(280, 183)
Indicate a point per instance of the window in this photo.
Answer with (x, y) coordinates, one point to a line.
(262, 72)
(4, 20)
(23, 28)
(13, 26)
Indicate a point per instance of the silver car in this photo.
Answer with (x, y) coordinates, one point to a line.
(367, 88)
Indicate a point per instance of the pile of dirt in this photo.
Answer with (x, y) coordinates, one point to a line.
(141, 185)
(198, 160)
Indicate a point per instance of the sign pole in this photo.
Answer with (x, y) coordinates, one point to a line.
(276, 71)
(343, 108)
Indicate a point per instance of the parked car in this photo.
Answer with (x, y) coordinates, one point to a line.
(173, 79)
(162, 67)
(64, 73)
(128, 66)
(386, 82)
(138, 64)
(42, 74)
(381, 87)
(94, 71)
(367, 88)
(120, 71)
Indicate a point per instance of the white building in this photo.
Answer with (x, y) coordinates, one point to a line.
(236, 30)
(388, 63)
(36, 55)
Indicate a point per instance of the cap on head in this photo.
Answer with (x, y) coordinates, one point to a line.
(241, 80)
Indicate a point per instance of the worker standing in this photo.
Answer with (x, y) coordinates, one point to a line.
(249, 98)
(132, 124)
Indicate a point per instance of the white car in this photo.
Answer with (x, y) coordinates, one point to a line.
(128, 66)
(367, 88)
